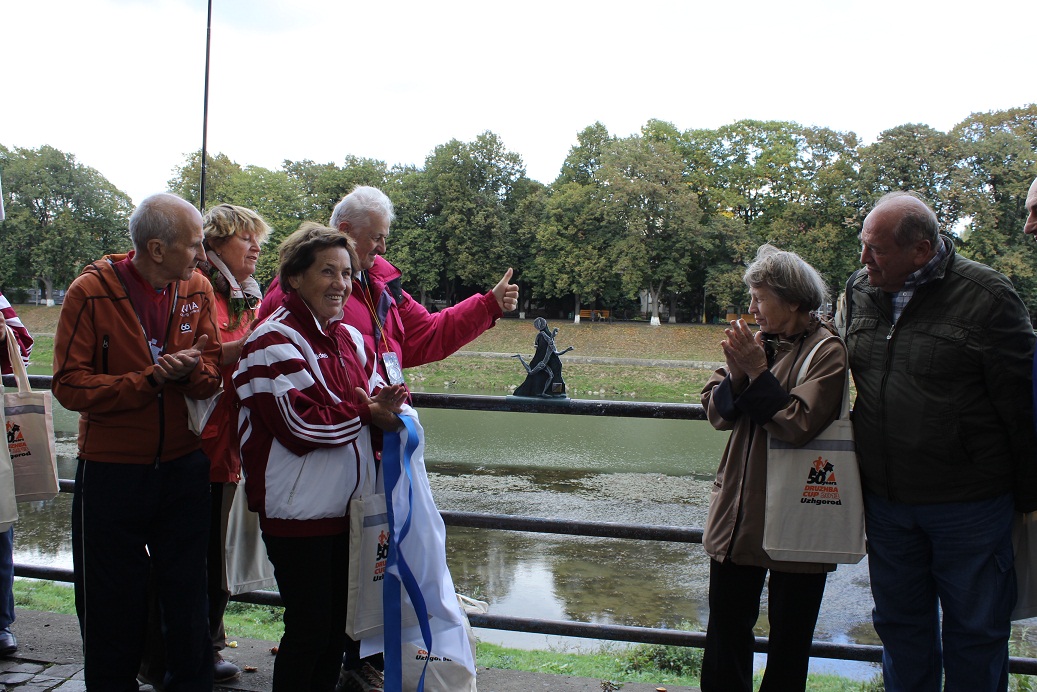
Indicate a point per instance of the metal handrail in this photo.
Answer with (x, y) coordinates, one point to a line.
(600, 529)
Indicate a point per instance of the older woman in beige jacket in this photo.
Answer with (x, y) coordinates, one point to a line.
(754, 396)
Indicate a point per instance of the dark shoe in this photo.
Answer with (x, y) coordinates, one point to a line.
(8, 642)
(366, 678)
(223, 670)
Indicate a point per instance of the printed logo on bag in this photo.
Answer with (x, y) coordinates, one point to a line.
(821, 487)
(16, 441)
(381, 556)
(422, 655)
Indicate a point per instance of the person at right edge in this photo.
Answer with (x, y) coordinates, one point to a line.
(941, 349)
(762, 393)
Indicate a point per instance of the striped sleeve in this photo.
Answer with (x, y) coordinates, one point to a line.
(20, 333)
(278, 379)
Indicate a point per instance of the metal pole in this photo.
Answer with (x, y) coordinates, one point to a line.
(205, 109)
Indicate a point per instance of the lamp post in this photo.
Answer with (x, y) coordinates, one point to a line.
(205, 109)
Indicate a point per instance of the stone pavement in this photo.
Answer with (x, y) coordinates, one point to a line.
(50, 658)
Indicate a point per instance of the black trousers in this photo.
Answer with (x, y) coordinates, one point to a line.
(793, 602)
(312, 575)
(129, 520)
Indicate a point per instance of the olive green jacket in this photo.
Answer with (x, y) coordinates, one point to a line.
(944, 408)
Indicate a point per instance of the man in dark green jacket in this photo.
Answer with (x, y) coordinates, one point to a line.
(941, 350)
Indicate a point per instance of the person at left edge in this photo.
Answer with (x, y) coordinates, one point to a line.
(8, 642)
(137, 334)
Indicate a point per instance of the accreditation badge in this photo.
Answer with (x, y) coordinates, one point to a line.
(392, 367)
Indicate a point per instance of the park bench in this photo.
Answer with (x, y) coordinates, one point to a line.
(595, 315)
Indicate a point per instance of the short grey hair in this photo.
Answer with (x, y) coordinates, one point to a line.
(917, 220)
(788, 276)
(156, 218)
(359, 204)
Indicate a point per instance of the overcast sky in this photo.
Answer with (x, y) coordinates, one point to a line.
(120, 83)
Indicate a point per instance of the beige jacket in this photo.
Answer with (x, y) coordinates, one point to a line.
(771, 405)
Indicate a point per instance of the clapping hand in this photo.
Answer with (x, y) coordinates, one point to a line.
(175, 366)
(743, 351)
(385, 404)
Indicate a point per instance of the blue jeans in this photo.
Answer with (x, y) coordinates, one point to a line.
(6, 578)
(955, 557)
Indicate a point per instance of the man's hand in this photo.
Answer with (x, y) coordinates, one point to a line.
(506, 293)
(3, 328)
(174, 366)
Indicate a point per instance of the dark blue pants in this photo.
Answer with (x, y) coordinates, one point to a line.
(793, 601)
(950, 558)
(6, 578)
(127, 520)
(312, 575)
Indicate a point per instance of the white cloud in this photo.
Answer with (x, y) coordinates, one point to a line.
(119, 83)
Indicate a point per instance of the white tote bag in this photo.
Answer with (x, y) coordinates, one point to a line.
(8, 504)
(29, 423)
(815, 507)
(247, 566)
(368, 553)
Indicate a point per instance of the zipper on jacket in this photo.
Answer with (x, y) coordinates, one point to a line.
(298, 477)
(161, 398)
(886, 369)
(104, 354)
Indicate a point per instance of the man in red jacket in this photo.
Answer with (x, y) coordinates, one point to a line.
(136, 337)
(398, 331)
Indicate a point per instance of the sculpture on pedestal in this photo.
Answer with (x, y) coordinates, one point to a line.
(544, 371)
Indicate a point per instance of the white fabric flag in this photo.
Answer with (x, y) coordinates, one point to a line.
(425, 552)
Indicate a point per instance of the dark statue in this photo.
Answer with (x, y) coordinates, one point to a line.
(544, 371)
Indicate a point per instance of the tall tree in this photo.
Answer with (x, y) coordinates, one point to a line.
(823, 224)
(470, 194)
(324, 184)
(749, 168)
(659, 216)
(997, 162)
(187, 178)
(60, 216)
(912, 157)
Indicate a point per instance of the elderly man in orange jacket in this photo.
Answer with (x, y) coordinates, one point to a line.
(137, 337)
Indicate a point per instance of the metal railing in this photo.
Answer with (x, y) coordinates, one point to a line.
(503, 522)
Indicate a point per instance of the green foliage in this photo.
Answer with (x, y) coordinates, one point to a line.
(681, 660)
(671, 214)
(61, 215)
